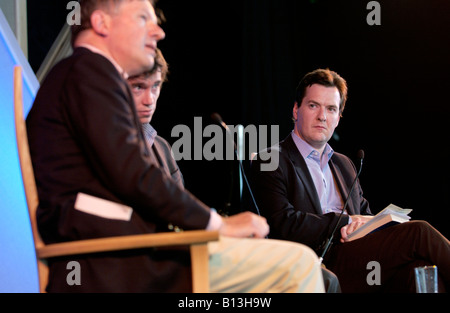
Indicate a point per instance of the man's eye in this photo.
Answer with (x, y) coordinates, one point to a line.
(138, 87)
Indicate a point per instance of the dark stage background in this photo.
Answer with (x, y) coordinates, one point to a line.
(244, 59)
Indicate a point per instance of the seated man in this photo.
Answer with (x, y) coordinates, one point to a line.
(146, 88)
(85, 137)
(302, 199)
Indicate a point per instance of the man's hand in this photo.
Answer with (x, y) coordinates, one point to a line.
(357, 222)
(244, 225)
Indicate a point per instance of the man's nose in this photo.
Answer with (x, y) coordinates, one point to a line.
(157, 32)
(322, 115)
(149, 99)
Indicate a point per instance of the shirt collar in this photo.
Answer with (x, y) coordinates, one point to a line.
(98, 51)
(150, 133)
(307, 151)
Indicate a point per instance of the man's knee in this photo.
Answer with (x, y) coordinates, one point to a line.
(416, 228)
(331, 281)
(306, 253)
(422, 228)
(420, 225)
(308, 269)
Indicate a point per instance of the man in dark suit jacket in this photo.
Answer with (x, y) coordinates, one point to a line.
(87, 147)
(86, 98)
(302, 199)
(146, 89)
(294, 207)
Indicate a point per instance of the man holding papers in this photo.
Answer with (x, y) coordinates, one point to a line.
(303, 199)
(390, 216)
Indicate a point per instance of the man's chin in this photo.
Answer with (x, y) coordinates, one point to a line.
(145, 120)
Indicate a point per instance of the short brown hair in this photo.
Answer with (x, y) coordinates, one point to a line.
(326, 78)
(88, 7)
(160, 65)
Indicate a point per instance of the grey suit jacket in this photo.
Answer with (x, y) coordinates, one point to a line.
(163, 153)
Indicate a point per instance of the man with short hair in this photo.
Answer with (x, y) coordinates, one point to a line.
(86, 141)
(146, 88)
(302, 199)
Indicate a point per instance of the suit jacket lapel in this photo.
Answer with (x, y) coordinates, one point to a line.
(303, 172)
(343, 188)
(156, 151)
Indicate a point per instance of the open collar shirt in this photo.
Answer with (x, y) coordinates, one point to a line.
(319, 168)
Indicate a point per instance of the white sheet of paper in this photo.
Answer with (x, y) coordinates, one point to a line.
(103, 208)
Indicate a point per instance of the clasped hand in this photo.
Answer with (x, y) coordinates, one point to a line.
(244, 225)
(247, 224)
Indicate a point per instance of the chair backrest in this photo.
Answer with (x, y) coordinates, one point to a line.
(26, 167)
(196, 239)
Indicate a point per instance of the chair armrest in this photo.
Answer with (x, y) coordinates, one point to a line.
(126, 243)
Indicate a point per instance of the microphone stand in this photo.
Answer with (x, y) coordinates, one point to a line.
(329, 241)
(217, 118)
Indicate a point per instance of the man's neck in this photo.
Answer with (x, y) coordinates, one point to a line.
(99, 48)
(319, 149)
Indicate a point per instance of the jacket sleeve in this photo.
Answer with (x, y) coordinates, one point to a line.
(288, 206)
(102, 117)
(168, 161)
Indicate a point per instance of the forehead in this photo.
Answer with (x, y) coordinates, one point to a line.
(322, 94)
(146, 78)
(128, 6)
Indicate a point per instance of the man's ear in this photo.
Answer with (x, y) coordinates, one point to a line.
(295, 111)
(338, 120)
(101, 22)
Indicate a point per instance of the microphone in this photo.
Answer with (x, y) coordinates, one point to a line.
(218, 119)
(329, 241)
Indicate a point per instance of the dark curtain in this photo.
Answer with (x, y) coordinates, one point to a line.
(244, 59)
(398, 77)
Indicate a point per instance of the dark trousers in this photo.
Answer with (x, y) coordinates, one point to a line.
(330, 281)
(397, 250)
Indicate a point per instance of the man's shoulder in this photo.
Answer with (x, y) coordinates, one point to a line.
(342, 160)
(263, 154)
(162, 142)
(340, 156)
(163, 146)
(281, 148)
(277, 155)
(84, 60)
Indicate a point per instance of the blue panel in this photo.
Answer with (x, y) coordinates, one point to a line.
(18, 272)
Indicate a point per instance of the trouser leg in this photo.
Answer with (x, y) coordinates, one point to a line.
(331, 281)
(263, 265)
(393, 249)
